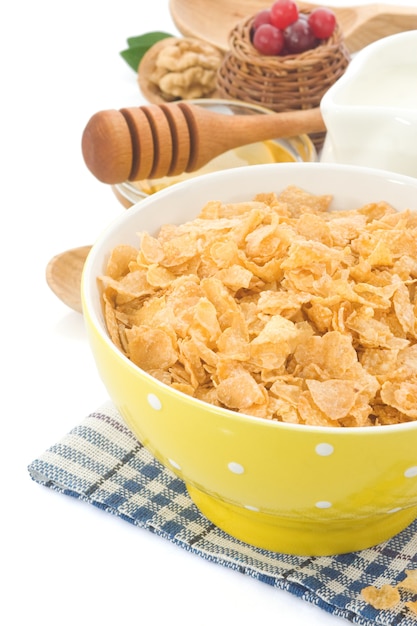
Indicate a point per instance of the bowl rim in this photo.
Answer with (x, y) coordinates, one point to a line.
(89, 286)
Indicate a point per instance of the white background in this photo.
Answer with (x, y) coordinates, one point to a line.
(64, 562)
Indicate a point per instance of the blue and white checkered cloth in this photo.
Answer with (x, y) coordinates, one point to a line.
(100, 461)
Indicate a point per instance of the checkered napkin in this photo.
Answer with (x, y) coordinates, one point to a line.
(100, 461)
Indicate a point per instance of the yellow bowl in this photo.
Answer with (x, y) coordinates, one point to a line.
(284, 487)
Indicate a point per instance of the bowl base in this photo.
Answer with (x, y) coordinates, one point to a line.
(305, 538)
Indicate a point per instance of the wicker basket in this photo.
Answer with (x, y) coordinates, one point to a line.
(281, 83)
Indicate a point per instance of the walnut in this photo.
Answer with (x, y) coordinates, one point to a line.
(186, 68)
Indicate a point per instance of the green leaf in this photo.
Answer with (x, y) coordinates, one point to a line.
(139, 45)
(148, 39)
(133, 56)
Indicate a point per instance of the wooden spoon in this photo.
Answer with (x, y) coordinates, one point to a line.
(361, 25)
(63, 275)
(153, 141)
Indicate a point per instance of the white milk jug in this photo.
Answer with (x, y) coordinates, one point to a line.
(371, 111)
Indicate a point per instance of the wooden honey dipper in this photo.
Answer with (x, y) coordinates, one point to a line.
(153, 141)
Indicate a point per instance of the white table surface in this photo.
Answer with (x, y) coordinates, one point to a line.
(63, 561)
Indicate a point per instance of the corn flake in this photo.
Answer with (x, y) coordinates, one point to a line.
(278, 307)
(410, 581)
(385, 597)
(412, 606)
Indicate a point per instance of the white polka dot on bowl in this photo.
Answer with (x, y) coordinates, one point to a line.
(154, 402)
(324, 449)
(236, 468)
(249, 507)
(174, 464)
(323, 504)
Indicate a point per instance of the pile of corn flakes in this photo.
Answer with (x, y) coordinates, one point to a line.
(279, 307)
(389, 597)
